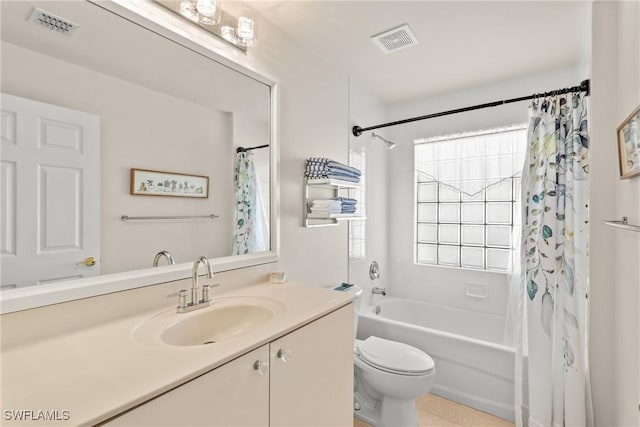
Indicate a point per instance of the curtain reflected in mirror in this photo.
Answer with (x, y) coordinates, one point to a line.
(251, 225)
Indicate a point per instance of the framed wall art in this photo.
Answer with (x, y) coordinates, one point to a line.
(629, 145)
(158, 183)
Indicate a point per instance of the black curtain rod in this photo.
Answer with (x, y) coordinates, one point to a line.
(242, 149)
(583, 87)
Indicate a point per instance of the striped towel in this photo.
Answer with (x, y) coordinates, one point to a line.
(326, 166)
(340, 176)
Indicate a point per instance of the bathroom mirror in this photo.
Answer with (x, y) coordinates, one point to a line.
(98, 95)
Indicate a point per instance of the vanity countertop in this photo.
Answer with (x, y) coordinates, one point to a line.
(93, 374)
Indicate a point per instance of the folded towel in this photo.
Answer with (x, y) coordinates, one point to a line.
(335, 201)
(321, 160)
(328, 211)
(334, 205)
(333, 175)
(322, 164)
(347, 201)
(344, 177)
(320, 169)
(330, 203)
(339, 167)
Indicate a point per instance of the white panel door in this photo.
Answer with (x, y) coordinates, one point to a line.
(50, 180)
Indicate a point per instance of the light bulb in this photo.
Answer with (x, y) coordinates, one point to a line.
(228, 33)
(245, 29)
(188, 10)
(206, 7)
(209, 12)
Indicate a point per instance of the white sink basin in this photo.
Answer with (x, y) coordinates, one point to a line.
(225, 319)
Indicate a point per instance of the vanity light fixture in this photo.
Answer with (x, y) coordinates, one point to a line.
(238, 29)
(243, 34)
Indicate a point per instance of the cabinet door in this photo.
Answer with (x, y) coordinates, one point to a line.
(234, 394)
(312, 373)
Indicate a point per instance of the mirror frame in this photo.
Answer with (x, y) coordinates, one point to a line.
(162, 22)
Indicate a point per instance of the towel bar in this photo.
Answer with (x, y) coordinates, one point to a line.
(624, 224)
(144, 218)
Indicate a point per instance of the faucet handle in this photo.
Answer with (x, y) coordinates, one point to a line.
(206, 292)
(182, 299)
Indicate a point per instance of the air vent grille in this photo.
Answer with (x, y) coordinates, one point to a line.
(395, 39)
(53, 22)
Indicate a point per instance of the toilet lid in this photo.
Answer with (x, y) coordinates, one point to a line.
(394, 357)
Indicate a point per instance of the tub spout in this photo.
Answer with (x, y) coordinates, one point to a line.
(379, 291)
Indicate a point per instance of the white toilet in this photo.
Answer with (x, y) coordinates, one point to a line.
(389, 377)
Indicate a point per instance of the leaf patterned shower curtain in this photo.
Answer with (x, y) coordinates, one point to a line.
(249, 219)
(554, 287)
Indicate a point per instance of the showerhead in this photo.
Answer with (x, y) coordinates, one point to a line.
(390, 145)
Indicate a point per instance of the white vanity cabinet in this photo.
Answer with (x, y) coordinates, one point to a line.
(308, 381)
(233, 395)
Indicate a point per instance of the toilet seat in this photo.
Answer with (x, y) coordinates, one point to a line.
(394, 357)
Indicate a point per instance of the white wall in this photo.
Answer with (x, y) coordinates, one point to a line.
(627, 345)
(614, 268)
(627, 294)
(313, 122)
(603, 175)
(443, 285)
(365, 109)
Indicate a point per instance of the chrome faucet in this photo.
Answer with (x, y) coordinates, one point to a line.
(165, 254)
(196, 302)
(194, 278)
(379, 291)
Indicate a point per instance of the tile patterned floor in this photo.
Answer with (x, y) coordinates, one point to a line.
(435, 411)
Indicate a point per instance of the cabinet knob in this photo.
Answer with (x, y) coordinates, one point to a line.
(261, 367)
(284, 354)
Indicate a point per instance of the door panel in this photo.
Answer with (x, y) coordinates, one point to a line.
(233, 395)
(50, 192)
(312, 379)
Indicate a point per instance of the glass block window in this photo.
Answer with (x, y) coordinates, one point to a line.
(357, 228)
(468, 198)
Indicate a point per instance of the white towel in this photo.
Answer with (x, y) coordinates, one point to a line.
(326, 204)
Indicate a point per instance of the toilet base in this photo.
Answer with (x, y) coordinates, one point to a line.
(390, 413)
(367, 415)
(397, 413)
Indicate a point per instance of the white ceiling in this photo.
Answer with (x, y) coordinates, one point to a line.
(461, 44)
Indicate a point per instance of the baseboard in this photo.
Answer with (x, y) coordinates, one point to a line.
(476, 402)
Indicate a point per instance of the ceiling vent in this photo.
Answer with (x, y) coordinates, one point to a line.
(395, 39)
(52, 22)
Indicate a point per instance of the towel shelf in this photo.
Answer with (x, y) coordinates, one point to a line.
(624, 224)
(321, 219)
(312, 215)
(331, 183)
(151, 218)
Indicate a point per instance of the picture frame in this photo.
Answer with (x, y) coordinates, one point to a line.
(629, 145)
(145, 182)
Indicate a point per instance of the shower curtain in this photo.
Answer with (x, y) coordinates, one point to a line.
(250, 228)
(551, 359)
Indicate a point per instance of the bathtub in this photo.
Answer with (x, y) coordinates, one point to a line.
(472, 366)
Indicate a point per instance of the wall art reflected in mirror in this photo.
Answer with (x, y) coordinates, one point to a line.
(88, 95)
